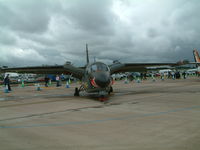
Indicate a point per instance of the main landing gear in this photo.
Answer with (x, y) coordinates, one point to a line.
(76, 93)
(111, 90)
(78, 90)
(102, 96)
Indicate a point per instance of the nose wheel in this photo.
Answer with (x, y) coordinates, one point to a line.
(102, 98)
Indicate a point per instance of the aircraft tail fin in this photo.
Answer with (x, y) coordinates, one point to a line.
(87, 55)
(196, 56)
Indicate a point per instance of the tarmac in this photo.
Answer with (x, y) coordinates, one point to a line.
(160, 115)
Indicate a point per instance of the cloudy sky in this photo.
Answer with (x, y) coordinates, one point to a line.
(36, 32)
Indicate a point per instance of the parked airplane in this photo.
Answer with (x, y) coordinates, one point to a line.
(197, 60)
(96, 77)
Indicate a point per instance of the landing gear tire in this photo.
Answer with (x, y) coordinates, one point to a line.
(102, 98)
(76, 93)
(111, 90)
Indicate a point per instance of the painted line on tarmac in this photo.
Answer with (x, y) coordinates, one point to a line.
(2, 99)
(28, 97)
(99, 121)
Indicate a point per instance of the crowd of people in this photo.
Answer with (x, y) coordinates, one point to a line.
(47, 80)
(145, 75)
(142, 76)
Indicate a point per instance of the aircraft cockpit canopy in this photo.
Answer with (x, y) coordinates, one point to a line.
(98, 67)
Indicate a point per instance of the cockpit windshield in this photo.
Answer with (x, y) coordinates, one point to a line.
(99, 67)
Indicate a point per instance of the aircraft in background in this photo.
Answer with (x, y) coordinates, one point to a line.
(197, 60)
(96, 77)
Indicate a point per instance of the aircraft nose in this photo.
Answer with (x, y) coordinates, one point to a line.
(102, 80)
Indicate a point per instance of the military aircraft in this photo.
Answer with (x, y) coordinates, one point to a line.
(96, 77)
(197, 60)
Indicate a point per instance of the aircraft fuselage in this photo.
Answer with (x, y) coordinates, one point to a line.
(97, 78)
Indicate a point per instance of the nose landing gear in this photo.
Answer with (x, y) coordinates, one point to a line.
(102, 98)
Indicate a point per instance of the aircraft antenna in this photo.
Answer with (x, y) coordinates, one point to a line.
(87, 55)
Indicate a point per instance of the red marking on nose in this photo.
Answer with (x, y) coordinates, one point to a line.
(93, 82)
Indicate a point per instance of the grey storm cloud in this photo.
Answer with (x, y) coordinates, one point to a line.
(52, 32)
(24, 16)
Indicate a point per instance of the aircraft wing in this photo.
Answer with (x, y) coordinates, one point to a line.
(57, 69)
(198, 63)
(141, 67)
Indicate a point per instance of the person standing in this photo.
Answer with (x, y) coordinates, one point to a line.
(184, 75)
(57, 81)
(46, 79)
(7, 82)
